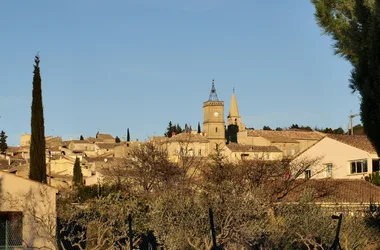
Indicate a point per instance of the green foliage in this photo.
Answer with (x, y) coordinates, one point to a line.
(173, 129)
(306, 128)
(337, 131)
(354, 26)
(3, 142)
(266, 128)
(77, 173)
(199, 128)
(37, 170)
(374, 178)
(117, 139)
(279, 129)
(81, 138)
(128, 135)
(232, 132)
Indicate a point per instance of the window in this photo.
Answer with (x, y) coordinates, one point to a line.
(244, 156)
(329, 168)
(359, 166)
(216, 129)
(200, 152)
(375, 165)
(10, 229)
(307, 174)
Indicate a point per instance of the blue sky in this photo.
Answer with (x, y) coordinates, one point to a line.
(118, 64)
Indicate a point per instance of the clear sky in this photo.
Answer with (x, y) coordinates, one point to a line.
(118, 64)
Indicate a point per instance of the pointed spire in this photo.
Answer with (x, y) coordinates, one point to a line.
(234, 111)
(213, 96)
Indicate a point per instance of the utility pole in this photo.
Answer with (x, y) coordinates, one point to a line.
(49, 168)
(351, 125)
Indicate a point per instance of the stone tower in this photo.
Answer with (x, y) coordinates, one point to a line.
(213, 121)
(233, 117)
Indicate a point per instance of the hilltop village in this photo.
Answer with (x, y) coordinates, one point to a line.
(246, 175)
(343, 156)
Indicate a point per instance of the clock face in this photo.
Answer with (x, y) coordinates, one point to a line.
(216, 114)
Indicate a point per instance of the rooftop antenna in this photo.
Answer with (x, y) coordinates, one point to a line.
(351, 116)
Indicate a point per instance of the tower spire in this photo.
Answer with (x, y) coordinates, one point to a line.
(213, 96)
(234, 110)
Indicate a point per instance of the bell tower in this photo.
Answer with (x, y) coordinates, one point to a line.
(213, 120)
(233, 117)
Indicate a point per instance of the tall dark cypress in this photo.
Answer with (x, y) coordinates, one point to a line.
(128, 135)
(37, 170)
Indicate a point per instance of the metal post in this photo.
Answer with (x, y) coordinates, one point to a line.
(214, 247)
(49, 168)
(130, 233)
(336, 240)
(6, 234)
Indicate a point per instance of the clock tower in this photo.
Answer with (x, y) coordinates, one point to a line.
(213, 121)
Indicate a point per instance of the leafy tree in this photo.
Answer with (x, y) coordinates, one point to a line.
(199, 128)
(266, 128)
(77, 173)
(338, 131)
(232, 132)
(37, 170)
(279, 129)
(3, 142)
(128, 135)
(294, 126)
(117, 139)
(354, 26)
(81, 138)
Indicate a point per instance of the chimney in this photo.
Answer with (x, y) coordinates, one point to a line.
(173, 133)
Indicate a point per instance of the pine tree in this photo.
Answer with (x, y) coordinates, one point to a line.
(81, 138)
(354, 27)
(77, 173)
(3, 142)
(199, 128)
(117, 139)
(128, 135)
(37, 170)
(169, 130)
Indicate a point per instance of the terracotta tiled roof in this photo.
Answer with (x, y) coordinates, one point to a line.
(4, 164)
(80, 141)
(100, 159)
(338, 191)
(188, 137)
(91, 139)
(106, 145)
(105, 137)
(358, 141)
(246, 148)
(290, 136)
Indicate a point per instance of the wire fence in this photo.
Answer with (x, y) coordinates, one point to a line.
(11, 234)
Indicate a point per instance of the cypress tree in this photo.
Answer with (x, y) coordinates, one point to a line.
(37, 169)
(199, 128)
(3, 142)
(81, 138)
(117, 139)
(128, 135)
(77, 173)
